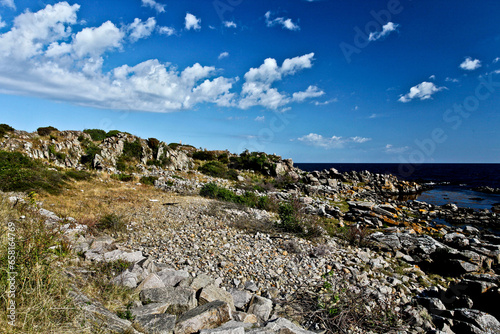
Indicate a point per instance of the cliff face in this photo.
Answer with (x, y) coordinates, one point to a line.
(67, 148)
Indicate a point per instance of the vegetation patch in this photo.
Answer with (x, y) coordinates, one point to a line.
(123, 177)
(132, 153)
(148, 180)
(211, 190)
(46, 131)
(4, 129)
(218, 169)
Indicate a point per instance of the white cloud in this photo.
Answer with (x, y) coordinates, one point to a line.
(324, 103)
(314, 139)
(390, 149)
(166, 31)
(448, 79)
(223, 55)
(310, 92)
(2, 23)
(422, 91)
(257, 88)
(260, 118)
(192, 22)
(386, 30)
(229, 24)
(496, 60)
(286, 23)
(155, 5)
(139, 29)
(470, 64)
(372, 116)
(95, 41)
(8, 3)
(432, 77)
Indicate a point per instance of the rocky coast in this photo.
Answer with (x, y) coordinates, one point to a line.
(364, 261)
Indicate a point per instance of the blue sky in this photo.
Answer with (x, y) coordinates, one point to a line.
(316, 81)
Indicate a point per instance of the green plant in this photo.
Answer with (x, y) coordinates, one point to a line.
(204, 155)
(91, 150)
(211, 190)
(123, 177)
(154, 145)
(112, 133)
(112, 222)
(45, 131)
(289, 217)
(79, 175)
(59, 155)
(4, 128)
(96, 134)
(218, 169)
(149, 180)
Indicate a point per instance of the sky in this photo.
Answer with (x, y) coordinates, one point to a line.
(395, 81)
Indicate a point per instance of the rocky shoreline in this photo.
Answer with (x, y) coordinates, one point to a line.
(436, 266)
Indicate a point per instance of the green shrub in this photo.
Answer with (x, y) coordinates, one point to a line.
(211, 190)
(204, 155)
(154, 145)
(79, 175)
(112, 222)
(256, 161)
(91, 150)
(21, 173)
(174, 146)
(218, 169)
(96, 134)
(112, 133)
(149, 180)
(289, 217)
(4, 128)
(123, 177)
(59, 155)
(45, 131)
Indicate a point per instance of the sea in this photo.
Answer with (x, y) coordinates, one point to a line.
(449, 183)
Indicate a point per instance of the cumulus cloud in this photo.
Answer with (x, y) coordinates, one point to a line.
(286, 23)
(448, 79)
(139, 29)
(2, 23)
(470, 64)
(223, 55)
(391, 149)
(324, 103)
(155, 5)
(386, 30)
(229, 24)
(42, 56)
(166, 31)
(422, 91)
(310, 92)
(192, 22)
(8, 3)
(257, 90)
(317, 140)
(496, 60)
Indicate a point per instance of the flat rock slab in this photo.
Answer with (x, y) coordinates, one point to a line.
(207, 316)
(241, 298)
(154, 308)
(171, 277)
(151, 282)
(179, 299)
(211, 293)
(155, 323)
(482, 320)
(284, 326)
(122, 255)
(261, 307)
(126, 278)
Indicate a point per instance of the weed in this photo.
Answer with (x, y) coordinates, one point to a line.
(123, 177)
(112, 222)
(149, 180)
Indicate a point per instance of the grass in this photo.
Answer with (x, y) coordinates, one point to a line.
(211, 190)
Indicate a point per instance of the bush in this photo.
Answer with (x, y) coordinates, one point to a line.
(256, 161)
(59, 155)
(149, 180)
(112, 133)
(96, 134)
(45, 131)
(79, 175)
(211, 190)
(132, 150)
(123, 177)
(154, 144)
(4, 128)
(112, 222)
(218, 169)
(289, 217)
(91, 150)
(174, 146)
(204, 155)
(21, 173)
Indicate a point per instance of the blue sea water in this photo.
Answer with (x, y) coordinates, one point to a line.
(452, 182)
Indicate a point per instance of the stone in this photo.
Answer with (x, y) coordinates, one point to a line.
(154, 308)
(482, 320)
(230, 327)
(207, 316)
(201, 281)
(155, 323)
(126, 278)
(122, 255)
(261, 307)
(463, 267)
(180, 299)
(241, 298)
(251, 286)
(211, 293)
(245, 317)
(171, 277)
(150, 282)
(432, 304)
(284, 326)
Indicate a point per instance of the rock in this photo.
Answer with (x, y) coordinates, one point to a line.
(171, 277)
(261, 307)
(126, 278)
(433, 305)
(241, 298)
(284, 326)
(462, 267)
(245, 317)
(150, 282)
(180, 299)
(201, 281)
(251, 286)
(155, 323)
(211, 293)
(125, 256)
(483, 321)
(207, 316)
(154, 308)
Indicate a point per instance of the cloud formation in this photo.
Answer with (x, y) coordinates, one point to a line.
(223, 55)
(386, 30)
(155, 5)
(8, 3)
(192, 22)
(166, 31)
(229, 24)
(257, 90)
(285, 23)
(310, 92)
(390, 149)
(139, 29)
(422, 91)
(470, 64)
(317, 140)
